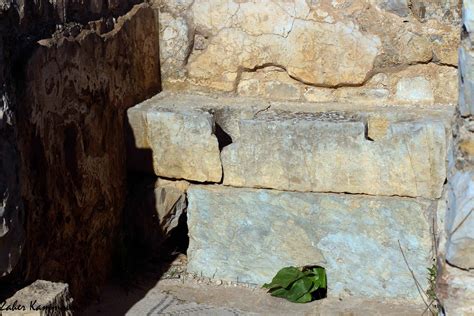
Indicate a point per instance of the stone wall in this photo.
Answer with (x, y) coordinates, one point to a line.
(75, 93)
(274, 184)
(456, 282)
(378, 51)
(65, 82)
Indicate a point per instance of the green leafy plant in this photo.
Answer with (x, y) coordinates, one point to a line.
(299, 285)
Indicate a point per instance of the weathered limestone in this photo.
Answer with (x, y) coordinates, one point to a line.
(182, 142)
(310, 152)
(456, 251)
(336, 47)
(247, 235)
(466, 81)
(460, 221)
(39, 299)
(455, 288)
(420, 84)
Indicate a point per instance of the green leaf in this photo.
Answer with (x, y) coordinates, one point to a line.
(322, 277)
(281, 292)
(305, 298)
(297, 285)
(284, 278)
(299, 288)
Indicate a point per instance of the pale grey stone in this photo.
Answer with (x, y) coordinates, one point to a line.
(170, 203)
(455, 289)
(414, 89)
(175, 45)
(48, 298)
(466, 82)
(307, 152)
(399, 7)
(182, 143)
(460, 220)
(468, 15)
(247, 235)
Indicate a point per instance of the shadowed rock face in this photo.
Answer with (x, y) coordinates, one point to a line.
(72, 105)
(11, 230)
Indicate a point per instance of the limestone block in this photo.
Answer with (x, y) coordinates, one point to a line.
(455, 288)
(308, 152)
(260, 38)
(175, 45)
(460, 220)
(247, 235)
(414, 89)
(39, 299)
(182, 143)
(466, 78)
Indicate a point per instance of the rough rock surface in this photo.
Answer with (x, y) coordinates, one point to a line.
(307, 152)
(455, 288)
(337, 47)
(456, 250)
(460, 221)
(75, 94)
(182, 143)
(247, 235)
(153, 209)
(48, 298)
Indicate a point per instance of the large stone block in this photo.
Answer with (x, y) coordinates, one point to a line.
(247, 235)
(182, 142)
(330, 153)
(460, 220)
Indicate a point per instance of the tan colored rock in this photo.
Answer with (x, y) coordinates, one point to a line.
(40, 298)
(318, 45)
(298, 45)
(328, 152)
(377, 127)
(181, 143)
(426, 84)
(175, 45)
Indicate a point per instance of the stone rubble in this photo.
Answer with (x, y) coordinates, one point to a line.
(40, 298)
